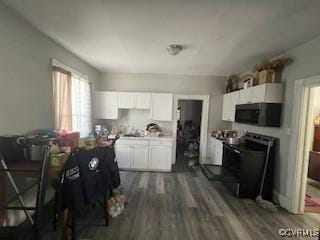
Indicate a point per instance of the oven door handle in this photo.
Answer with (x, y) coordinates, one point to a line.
(230, 148)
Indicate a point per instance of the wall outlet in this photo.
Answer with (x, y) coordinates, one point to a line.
(288, 131)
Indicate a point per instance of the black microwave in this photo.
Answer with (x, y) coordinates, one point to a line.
(260, 114)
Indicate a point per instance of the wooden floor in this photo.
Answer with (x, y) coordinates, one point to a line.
(184, 205)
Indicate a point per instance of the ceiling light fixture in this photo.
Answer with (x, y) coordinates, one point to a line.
(174, 49)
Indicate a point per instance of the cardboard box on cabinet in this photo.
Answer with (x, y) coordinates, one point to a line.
(269, 76)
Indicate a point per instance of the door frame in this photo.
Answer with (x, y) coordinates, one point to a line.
(297, 171)
(204, 123)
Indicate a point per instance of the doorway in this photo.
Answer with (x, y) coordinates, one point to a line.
(306, 140)
(312, 152)
(190, 125)
(188, 133)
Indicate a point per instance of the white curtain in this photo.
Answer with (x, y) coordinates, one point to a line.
(62, 105)
(81, 106)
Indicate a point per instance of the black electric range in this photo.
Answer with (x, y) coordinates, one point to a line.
(243, 166)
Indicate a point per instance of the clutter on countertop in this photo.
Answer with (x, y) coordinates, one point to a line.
(222, 134)
(90, 142)
(153, 130)
(231, 136)
(68, 139)
(55, 149)
(57, 160)
(58, 155)
(126, 131)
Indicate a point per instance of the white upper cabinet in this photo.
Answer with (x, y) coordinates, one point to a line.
(106, 105)
(230, 101)
(133, 100)
(161, 106)
(245, 96)
(234, 99)
(225, 107)
(268, 93)
(143, 100)
(126, 100)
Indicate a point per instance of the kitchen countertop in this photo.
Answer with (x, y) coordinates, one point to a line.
(167, 138)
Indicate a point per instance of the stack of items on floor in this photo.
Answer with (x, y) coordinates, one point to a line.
(192, 153)
(117, 203)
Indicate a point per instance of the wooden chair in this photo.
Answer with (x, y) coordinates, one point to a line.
(68, 220)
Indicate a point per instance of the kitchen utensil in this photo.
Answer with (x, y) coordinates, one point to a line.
(233, 140)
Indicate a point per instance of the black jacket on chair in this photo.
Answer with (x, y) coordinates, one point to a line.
(88, 175)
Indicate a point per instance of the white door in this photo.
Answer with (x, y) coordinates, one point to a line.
(226, 107)
(106, 105)
(161, 106)
(160, 158)
(126, 100)
(142, 100)
(258, 93)
(245, 96)
(123, 155)
(140, 157)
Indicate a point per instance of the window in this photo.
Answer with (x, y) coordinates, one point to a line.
(81, 106)
(71, 100)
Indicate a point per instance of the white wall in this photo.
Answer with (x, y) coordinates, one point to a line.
(314, 101)
(306, 58)
(179, 84)
(25, 74)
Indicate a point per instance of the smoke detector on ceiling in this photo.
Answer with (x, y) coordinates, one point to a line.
(174, 49)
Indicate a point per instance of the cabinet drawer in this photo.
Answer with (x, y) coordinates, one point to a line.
(160, 143)
(132, 142)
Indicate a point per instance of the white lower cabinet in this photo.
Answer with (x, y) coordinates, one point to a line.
(140, 157)
(160, 158)
(216, 151)
(123, 155)
(153, 155)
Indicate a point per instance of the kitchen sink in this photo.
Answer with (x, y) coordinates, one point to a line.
(131, 135)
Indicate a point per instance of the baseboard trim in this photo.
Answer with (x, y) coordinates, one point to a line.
(205, 160)
(283, 201)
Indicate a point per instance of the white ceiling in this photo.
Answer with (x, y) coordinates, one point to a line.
(131, 36)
